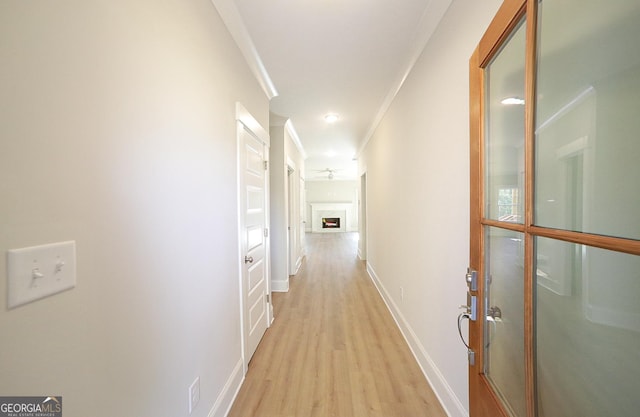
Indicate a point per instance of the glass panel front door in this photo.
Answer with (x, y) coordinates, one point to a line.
(586, 180)
(505, 131)
(587, 117)
(504, 317)
(588, 335)
(555, 197)
(504, 202)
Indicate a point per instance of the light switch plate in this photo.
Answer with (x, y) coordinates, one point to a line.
(39, 271)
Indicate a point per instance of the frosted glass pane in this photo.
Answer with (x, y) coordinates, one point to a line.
(587, 120)
(504, 137)
(504, 326)
(587, 331)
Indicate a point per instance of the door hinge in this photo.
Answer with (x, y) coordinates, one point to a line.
(268, 298)
(472, 357)
(266, 165)
(266, 232)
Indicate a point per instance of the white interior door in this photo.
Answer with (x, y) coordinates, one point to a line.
(292, 220)
(362, 208)
(301, 221)
(253, 215)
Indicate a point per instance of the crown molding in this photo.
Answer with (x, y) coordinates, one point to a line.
(294, 136)
(232, 20)
(429, 21)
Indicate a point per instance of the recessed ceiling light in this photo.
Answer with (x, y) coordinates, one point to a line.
(331, 118)
(331, 153)
(510, 101)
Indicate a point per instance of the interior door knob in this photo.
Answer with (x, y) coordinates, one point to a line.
(248, 259)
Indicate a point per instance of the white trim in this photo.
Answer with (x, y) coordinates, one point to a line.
(448, 399)
(239, 127)
(298, 265)
(573, 148)
(429, 21)
(223, 403)
(290, 211)
(296, 139)
(244, 117)
(584, 95)
(280, 286)
(232, 20)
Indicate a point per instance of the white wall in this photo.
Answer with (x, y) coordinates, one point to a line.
(117, 130)
(284, 153)
(333, 191)
(417, 167)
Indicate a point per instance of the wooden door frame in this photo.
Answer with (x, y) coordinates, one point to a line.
(482, 399)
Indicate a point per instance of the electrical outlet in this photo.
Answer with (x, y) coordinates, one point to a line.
(194, 394)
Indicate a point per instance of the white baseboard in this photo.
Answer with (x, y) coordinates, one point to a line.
(280, 286)
(449, 400)
(227, 396)
(298, 265)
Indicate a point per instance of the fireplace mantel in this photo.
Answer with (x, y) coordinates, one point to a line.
(324, 210)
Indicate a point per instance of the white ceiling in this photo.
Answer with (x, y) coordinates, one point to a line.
(341, 56)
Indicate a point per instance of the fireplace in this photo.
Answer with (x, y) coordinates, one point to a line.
(330, 217)
(331, 222)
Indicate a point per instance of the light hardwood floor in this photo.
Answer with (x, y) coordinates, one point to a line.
(333, 349)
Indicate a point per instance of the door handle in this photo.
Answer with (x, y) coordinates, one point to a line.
(461, 317)
(495, 313)
(471, 354)
(248, 259)
(469, 313)
(470, 310)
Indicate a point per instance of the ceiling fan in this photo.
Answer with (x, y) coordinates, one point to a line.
(330, 172)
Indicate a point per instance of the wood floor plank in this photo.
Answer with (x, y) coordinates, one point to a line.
(333, 349)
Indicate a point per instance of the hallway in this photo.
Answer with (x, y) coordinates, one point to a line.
(333, 349)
